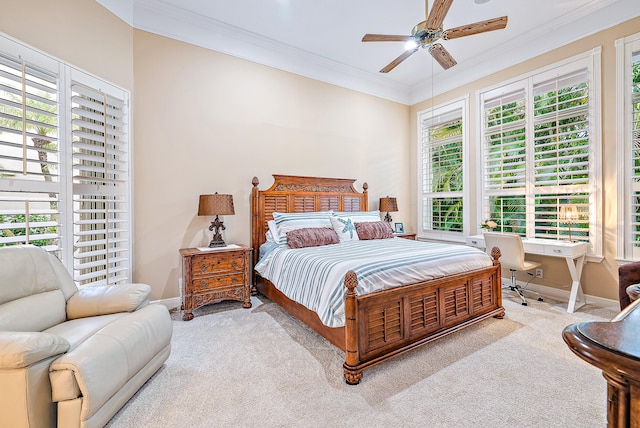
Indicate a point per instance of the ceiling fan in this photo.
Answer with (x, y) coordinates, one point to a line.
(428, 32)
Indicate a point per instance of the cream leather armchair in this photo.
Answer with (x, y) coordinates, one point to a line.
(72, 357)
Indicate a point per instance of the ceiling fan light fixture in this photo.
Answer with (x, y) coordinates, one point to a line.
(410, 44)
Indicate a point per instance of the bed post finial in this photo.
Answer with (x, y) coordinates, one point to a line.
(365, 187)
(255, 181)
(495, 253)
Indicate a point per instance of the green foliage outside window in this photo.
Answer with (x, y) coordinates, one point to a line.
(20, 229)
(446, 176)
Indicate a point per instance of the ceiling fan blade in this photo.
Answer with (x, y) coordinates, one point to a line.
(437, 14)
(385, 38)
(475, 28)
(393, 64)
(441, 55)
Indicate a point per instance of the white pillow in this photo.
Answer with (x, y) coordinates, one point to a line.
(345, 228)
(272, 233)
(360, 216)
(286, 222)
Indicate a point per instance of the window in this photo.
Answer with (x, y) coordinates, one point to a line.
(442, 148)
(64, 164)
(628, 146)
(29, 155)
(540, 153)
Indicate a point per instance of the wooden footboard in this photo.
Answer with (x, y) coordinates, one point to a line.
(382, 325)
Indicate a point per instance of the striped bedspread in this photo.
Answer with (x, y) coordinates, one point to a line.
(314, 276)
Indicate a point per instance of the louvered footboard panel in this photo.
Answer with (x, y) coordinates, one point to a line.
(482, 293)
(397, 317)
(456, 302)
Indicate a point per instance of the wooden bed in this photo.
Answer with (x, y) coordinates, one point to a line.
(387, 323)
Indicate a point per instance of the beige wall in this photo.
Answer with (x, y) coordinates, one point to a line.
(599, 279)
(79, 32)
(207, 122)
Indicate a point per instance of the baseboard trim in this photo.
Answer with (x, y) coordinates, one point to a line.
(559, 294)
(172, 303)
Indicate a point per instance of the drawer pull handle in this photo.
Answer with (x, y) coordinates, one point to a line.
(203, 267)
(474, 242)
(557, 251)
(234, 264)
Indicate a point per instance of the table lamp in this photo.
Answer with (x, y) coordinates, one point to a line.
(216, 205)
(389, 205)
(568, 213)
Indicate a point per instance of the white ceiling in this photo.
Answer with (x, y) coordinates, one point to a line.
(322, 39)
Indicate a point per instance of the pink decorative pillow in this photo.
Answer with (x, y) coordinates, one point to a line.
(312, 237)
(374, 230)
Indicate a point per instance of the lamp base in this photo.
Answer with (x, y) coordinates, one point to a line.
(217, 240)
(387, 218)
(215, 243)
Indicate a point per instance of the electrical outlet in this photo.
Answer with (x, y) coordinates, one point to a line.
(538, 273)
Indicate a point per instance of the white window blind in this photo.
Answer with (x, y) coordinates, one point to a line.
(64, 164)
(504, 136)
(505, 162)
(100, 187)
(29, 154)
(442, 170)
(537, 154)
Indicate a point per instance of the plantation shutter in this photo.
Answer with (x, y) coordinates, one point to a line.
(29, 155)
(561, 145)
(442, 172)
(504, 163)
(100, 187)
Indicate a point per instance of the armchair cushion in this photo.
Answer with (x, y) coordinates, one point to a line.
(36, 312)
(21, 349)
(91, 301)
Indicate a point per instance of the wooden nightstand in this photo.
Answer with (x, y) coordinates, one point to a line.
(411, 236)
(212, 275)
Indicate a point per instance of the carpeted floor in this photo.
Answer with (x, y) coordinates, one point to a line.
(233, 367)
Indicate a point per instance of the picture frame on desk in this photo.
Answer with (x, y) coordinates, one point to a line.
(398, 228)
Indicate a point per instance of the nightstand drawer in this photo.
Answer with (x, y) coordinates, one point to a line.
(208, 264)
(210, 283)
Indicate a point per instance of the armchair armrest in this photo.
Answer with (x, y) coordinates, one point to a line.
(91, 301)
(20, 349)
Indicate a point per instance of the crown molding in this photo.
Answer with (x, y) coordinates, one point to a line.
(160, 18)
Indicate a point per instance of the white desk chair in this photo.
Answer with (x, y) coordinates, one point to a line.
(512, 258)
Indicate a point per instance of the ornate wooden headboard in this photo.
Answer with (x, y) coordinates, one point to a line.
(293, 194)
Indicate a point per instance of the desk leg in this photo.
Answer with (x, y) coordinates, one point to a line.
(575, 269)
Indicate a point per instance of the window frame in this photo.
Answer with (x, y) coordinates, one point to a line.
(625, 47)
(591, 62)
(461, 103)
(67, 76)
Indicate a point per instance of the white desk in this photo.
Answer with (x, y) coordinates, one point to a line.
(573, 252)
